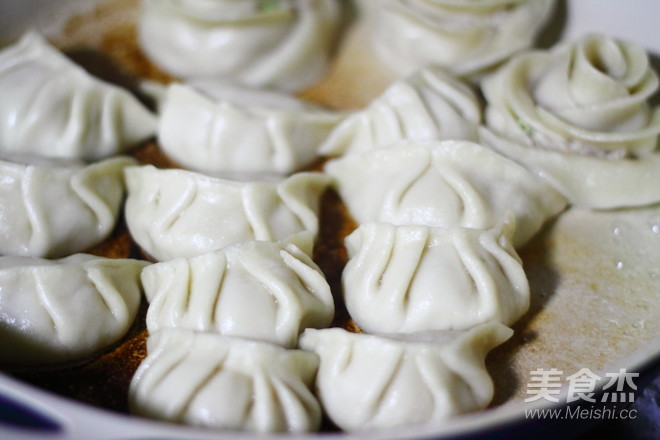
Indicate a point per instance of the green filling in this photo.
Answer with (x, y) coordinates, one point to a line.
(527, 129)
(266, 6)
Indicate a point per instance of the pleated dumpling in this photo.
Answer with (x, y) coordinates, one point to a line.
(260, 290)
(446, 184)
(54, 208)
(378, 382)
(52, 107)
(580, 116)
(210, 380)
(405, 279)
(57, 311)
(241, 132)
(283, 44)
(466, 36)
(178, 213)
(428, 105)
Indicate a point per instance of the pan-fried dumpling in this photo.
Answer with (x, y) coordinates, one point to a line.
(579, 115)
(259, 290)
(446, 184)
(178, 213)
(210, 380)
(466, 36)
(56, 311)
(54, 108)
(252, 132)
(54, 208)
(404, 279)
(282, 44)
(380, 382)
(246, 96)
(428, 105)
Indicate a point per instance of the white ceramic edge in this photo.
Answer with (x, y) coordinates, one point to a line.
(635, 21)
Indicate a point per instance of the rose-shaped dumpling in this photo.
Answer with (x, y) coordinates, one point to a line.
(55, 311)
(241, 131)
(404, 279)
(176, 213)
(428, 105)
(256, 289)
(51, 208)
(578, 115)
(282, 44)
(465, 36)
(445, 184)
(379, 382)
(54, 108)
(206, 379)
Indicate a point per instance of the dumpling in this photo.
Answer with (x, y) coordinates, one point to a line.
(283, 44)
(587, 181)
(428, 105)
(54, 208)
(178, 213)
(56, 311)
(579, 115)
(259, 290)
(588, 97)
(446, 184)
(210, 380)
(54, 108)
(253, 133)
(405, 279)
(380, 382)
(466, 36)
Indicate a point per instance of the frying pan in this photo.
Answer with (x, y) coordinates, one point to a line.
(594, 276)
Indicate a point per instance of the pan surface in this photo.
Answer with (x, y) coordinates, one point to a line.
(594, 276)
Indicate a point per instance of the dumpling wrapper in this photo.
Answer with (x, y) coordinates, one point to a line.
(428, 105)
(579, 117)
(368, 382)
(444, 184)
(259, 290)
(52, 107)
(178, 213)
(62, 311)
(284, 44)
(52, 208)
(245, 132)
(210, 380)
(467, 37)
(405, 279)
